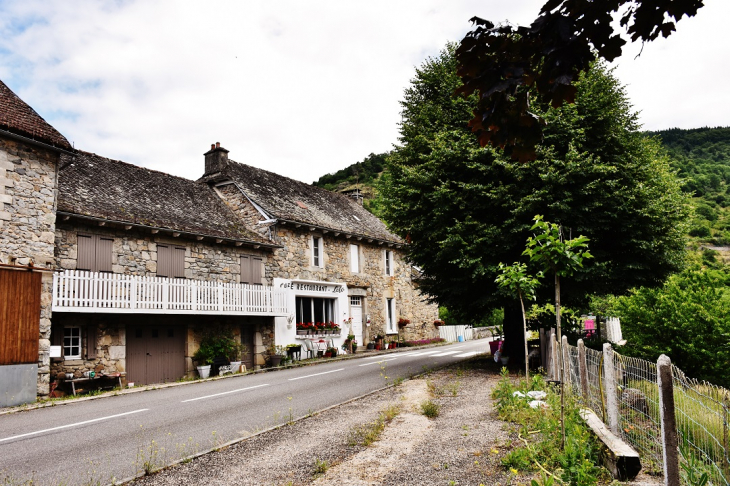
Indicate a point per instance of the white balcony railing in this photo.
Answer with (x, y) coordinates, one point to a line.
(79, 291)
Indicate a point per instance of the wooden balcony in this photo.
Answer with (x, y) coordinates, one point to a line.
(79, 291)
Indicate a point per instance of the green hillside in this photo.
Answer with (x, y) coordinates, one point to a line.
(701, 157)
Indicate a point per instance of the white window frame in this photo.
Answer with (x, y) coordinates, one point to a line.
(74, 341)
(354, 258)
(317, 251)
(388, 262)
(391, 326)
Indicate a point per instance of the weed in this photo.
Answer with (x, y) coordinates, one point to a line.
(545, 480)
(430, 409)
(693, 474)
(320, 467)
(368, 433)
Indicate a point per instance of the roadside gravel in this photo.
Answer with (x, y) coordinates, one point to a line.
(462, 446)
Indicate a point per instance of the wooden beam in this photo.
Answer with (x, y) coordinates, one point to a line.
(618, 457)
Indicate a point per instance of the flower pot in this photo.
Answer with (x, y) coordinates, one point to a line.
(236, 366)
(204, 371)
(494, 346)
(371, 345)
(377, 347)
(275, 359)
(301, 332)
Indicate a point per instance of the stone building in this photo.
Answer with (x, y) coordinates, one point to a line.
(29, 156)
(140, 264)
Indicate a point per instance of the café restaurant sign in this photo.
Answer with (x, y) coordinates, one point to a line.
(318, 287)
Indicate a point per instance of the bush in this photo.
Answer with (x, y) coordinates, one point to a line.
(218, 342)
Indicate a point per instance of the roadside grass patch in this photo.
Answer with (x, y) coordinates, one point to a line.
(538, 433)
(320, 467)
(430, 409)
(368, 433)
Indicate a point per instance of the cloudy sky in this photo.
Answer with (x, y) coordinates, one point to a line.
(301, 88)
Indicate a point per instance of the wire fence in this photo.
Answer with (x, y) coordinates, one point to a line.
(701, 409)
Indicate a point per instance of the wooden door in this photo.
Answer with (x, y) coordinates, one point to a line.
(155, 354)
(20, 315)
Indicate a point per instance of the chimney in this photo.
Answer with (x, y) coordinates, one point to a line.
(216, 159)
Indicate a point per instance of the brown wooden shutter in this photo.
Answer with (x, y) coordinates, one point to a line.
(164, 261)
(246, 276)
(91, 342)
(256, 264)
(104, 254)
(178, 262)
(57, 339)
(86, 253)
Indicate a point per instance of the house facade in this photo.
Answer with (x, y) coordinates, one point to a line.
(29, 158)
(130, 267)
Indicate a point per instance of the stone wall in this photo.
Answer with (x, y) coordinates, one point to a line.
(134, 252)
(28, 189)
(294, 262)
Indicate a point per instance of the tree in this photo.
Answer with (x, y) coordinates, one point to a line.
(465, 208)
(508, 66)
(688, 318)
(516, 279)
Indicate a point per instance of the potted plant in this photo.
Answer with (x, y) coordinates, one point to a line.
(294, 349)
(403, 322)
(235, 353)
(203, 358)
(438, 323)
(275, 354)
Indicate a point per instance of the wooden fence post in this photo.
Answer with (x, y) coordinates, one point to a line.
(583, 370)
(556, 357)
(670, 445)
(543, 347)
(609, 381)
(567, 378)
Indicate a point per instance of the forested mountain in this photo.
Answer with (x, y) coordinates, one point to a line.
(700, 155)
(702, 158)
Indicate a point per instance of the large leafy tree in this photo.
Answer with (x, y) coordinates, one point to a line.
(508, 66)
(465, 208)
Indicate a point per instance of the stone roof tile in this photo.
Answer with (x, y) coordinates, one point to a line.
(287, 199)
(19, 118)
(95, 186)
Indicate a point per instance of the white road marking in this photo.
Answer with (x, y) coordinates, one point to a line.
(74, 425)
(224, 393)
(316, 374)
(467, 355)
(378, 362)
(447, 353)
(426, 353)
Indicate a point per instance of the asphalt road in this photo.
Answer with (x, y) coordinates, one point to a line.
(109, 439)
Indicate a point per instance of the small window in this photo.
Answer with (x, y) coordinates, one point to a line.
(354, 259)
(313, 309)
(251, 270)
(317, 252)
(388, 262)
(390, 324)
(72, 342)
(170, 261)
(94, 253)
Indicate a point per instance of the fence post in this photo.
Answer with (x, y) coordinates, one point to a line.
(583, 370)
(670, 446)
(725, 461)
(609, 381)
(543, 347)
(556, 357)
(566, 362)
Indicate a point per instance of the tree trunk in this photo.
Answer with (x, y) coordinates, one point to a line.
(514, 337)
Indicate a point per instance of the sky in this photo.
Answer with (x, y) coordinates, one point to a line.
(298, 88)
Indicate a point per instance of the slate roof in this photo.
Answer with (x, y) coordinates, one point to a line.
(19, 118)
(290, 200)
(98, 187)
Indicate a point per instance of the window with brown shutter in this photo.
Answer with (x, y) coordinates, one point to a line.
(170, 261)
(94, 253)
(251, 270)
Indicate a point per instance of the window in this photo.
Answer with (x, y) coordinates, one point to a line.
(390, 324)
(94, 253)
(317, 252)
(72, 342)
(170, 261)
(313, 309)
(388, 262)
(354, 258)
(251, 270)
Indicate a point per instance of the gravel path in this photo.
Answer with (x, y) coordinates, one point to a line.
(462, 446)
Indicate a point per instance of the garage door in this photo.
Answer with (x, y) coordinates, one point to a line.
(155, 354)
